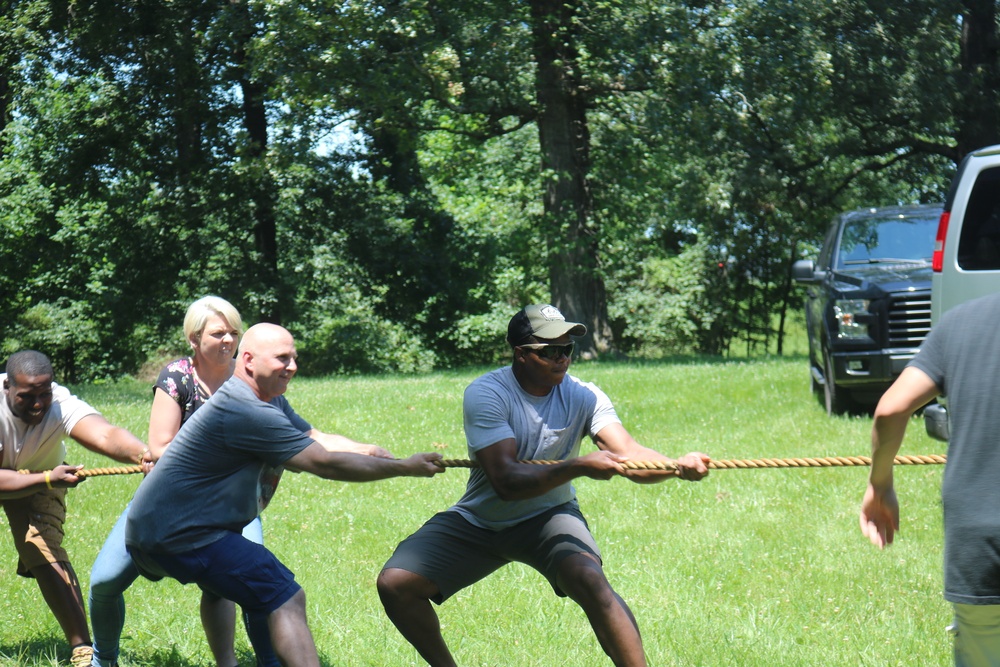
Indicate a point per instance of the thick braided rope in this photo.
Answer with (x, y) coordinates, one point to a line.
(730, 464)
(97, 472)
(720, 464)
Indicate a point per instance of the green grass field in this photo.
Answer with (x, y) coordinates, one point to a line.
(748, 567)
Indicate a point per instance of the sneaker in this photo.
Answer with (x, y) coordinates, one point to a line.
(82, 656)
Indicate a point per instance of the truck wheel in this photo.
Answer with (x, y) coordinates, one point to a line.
(836, 400)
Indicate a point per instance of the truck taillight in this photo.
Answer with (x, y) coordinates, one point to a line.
(937, 259)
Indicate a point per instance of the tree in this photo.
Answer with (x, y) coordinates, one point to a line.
(623, 160)
(564, 135)
(978, 102)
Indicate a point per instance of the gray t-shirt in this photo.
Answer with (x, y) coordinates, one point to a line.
(962, 356)
(208, 481)
(544, 427)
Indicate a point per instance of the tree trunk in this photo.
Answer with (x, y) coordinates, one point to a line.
(577, 286)
(978, 114)
(262, 186)
(4, 101)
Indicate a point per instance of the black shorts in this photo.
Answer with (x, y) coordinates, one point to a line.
(454, 553)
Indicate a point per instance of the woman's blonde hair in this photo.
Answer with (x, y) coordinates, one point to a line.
(202, 309)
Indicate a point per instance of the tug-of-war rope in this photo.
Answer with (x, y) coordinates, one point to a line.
(732, 464)
(720, 464)
(97, 472)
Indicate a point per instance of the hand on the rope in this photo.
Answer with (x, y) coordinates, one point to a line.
(64, 477)
(879, 517)
(693, 467)
(602, 464)
(146, 461)
(424, 465)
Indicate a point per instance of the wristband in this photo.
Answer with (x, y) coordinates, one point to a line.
(48, 478)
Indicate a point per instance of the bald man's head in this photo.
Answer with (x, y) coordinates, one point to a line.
(266, 360)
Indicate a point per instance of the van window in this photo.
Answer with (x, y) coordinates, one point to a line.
(979, 244)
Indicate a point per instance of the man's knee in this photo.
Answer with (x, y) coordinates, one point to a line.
(61, 571)
(391, 582)
(395, 584)
(293, 609)
(581, 576)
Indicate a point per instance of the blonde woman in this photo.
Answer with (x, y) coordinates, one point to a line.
(212, 327)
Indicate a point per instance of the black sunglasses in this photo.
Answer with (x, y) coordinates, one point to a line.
(550, 352)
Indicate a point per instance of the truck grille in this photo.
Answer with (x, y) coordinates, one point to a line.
(909, 319)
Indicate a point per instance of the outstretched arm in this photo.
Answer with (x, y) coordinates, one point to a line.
(615, 438)
(96, 434)
(352, 467)
(62, 476)
(332, 442)
(879, 517)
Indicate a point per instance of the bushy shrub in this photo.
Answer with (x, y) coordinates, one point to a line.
(63, 332)
(665, 310)
(356, 342)
(480, 338)
(338, 328)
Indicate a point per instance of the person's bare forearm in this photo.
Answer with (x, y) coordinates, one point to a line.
(12, 481)
(887, 437)
(911, 390)
(125, 447)
(521, 481)
(351, 467)
(16, 484)
(97, 435)
(332, 442)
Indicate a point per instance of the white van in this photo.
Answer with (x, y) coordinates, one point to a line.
(966, 260)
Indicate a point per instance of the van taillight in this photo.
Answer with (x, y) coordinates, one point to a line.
(937, 259)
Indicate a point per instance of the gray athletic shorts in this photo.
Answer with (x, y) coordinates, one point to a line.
(454, 553)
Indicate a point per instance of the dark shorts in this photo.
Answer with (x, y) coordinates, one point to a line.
(233, 568)
(454, 553)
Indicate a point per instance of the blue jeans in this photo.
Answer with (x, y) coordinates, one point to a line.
(113, 572)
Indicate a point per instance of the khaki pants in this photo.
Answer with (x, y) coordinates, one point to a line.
(36, 522)
(977, 635)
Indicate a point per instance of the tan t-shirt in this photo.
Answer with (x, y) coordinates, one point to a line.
(40, 447)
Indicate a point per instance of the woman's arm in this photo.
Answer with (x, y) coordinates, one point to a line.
(164, 422)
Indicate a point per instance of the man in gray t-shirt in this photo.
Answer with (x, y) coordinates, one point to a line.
(515, 511)
(187, 517)
(960, 358)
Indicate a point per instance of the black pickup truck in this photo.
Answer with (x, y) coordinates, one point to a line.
(868, 301)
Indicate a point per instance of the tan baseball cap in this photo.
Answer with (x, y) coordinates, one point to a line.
(540, 321)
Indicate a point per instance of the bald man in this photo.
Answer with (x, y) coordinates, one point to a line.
(187, 516)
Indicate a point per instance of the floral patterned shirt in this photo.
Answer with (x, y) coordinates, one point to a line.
(180, 382)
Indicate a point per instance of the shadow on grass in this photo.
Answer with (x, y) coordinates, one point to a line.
(41, 650)
(171, 658)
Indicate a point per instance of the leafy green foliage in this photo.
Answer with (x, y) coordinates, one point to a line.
(151, 153)
(666, 310)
